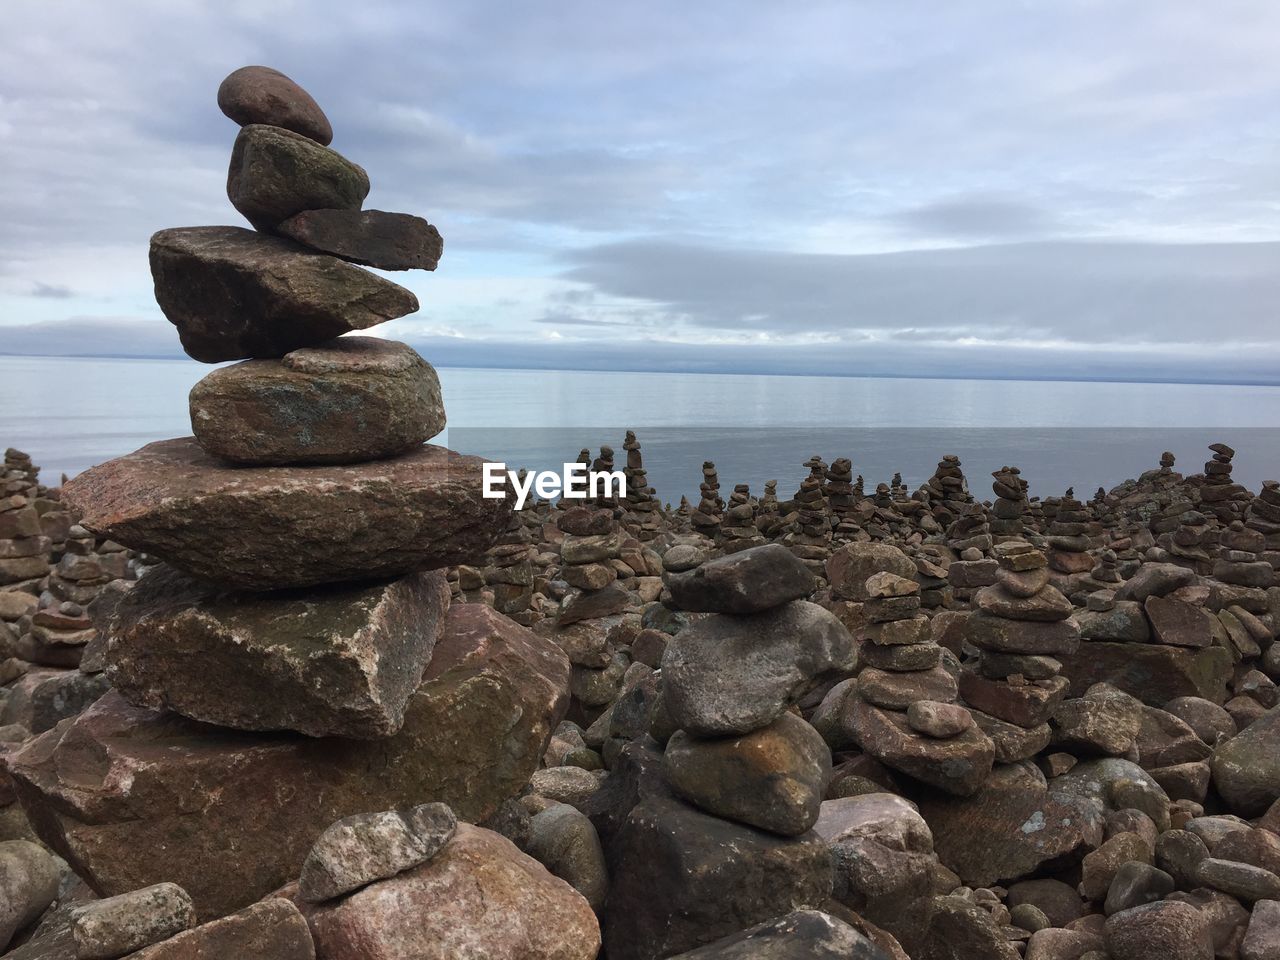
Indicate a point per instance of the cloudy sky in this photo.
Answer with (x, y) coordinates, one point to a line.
(1086, 189)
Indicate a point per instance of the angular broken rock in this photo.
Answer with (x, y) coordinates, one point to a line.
(365, 847)
(105, 929)
(276, 173)
(731, 675)
(345, 401)
(478, 897)
(374, 238)
(263, 95)
(309, 525)
(131, 797)
(235, 294)
(749, 581)
(332, 661)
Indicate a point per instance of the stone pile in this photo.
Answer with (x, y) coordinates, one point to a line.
(1011, 503)
(1191, 542)
(838, 490)
(1239, 561)
(592, 542)
(948, 491)
(810, 535)
(1021, 627)
(25, 548)
(1068, 536)
(768, 511)
(738, 530)
(642, 515)
(706, 517)
(727, 840)
(508, 569)
(607, 497)
(1219, 494)
(1263, 516)
(304, 532)
(903, 710)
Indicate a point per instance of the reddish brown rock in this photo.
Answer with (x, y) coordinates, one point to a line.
(374, 238)
(478, 897)
(958, 765)
(1155, 673)
(345, 401)
(310, 525)
(273, 928)
(329, 662)
(131, 797)
(263, 95)
(233, 293)
(1178, 623)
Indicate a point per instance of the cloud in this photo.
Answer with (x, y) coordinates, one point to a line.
(976, 218)
(51, 291)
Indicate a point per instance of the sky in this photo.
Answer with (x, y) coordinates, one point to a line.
(1082, 189)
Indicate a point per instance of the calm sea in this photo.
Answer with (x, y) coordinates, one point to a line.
(72, 413)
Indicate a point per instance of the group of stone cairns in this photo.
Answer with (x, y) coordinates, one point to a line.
(293, 688)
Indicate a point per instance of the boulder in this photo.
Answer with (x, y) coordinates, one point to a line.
(263, 95)
(1178, 623)
(131, 797)
(276, 173)
(310, 525)
(478, 897)
(957, 765)
(1246, 768)
(273, 928)
(235, 294)
(367, 847)
(849, 567)
(772, 778)
(332, 661)
(1154, 673)
(29, 880)
(1011, 827)
(800, 935)
(564, 841)
(110, 928)
(1155, 580)
(1168, 930)
(749, 581)
(959, 929)
(682, 879)
(374, 238)
(345, 401)
(730, 675)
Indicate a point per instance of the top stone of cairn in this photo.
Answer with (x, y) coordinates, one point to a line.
(263, 95)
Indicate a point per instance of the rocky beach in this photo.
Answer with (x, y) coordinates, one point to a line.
(292, 687)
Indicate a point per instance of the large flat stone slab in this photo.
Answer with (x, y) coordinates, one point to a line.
(266, 528)
(1155, 673)
(132, 797)
(327, 662)
(235, 294)
(346, 401)
(375, 238)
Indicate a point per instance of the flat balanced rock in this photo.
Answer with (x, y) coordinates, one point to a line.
(331, 661)
(345, 401)
(266, 528)
(132, 797)
(234, 294)
(375, 238)
(276, 173)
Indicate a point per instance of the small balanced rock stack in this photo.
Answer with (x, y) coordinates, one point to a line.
(768, 511)
(642, 518)
(1263, 516)
(1240, 560)
(1021, 626)
(738, 529)
(607, 497)
(706, 517)
(1011, 502)
(24, 549)
(508, 570)
(1068, 537)
(903, 710)
(810, 538)
(1221, 495)
(838, 489)
(747, 774)
(1190, 544)
(592, 541)
(948, 490)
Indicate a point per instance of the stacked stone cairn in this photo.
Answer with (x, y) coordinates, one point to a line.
(25, 548)
(810, 535)
(1021, 627)
(948, 491)
(768, 511)
(1220, 495)
(728, 840)
(508, 569)
(1068, 537)
(592, 541)
(838, 489)
(607, 496)
(738, 530)
(1263, 516)
(970, 537)
(1011, 503)
(295, 658)
(707, 516)
(903, 711)
(642, 517)
(1239, 560)
(1191, 542)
